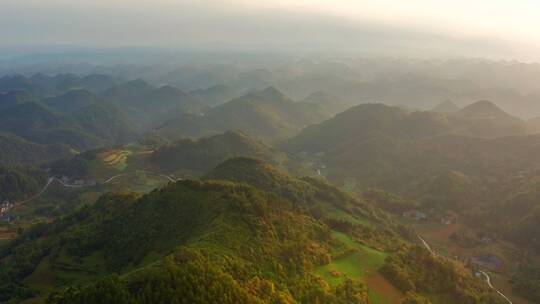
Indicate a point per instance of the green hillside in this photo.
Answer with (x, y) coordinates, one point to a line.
(267, 114)
(203, 154)
(286, 240)
(18, 183)
(17, 151)
(72, 101)
(149, 106)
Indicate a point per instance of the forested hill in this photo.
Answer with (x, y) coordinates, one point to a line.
(222, 241)
(17, 183)
(482, 119)
(267, 114)
(17, 151)
(205, 153)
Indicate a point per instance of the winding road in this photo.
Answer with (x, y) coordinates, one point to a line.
(49, 182)
(148, 172)
(52, 179)
(426, 245)
(488, 278)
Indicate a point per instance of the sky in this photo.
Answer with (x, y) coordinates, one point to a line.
(500, 28)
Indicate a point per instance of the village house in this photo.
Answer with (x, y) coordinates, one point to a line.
(415, 215)
(449, 218)
(486, 240)
(6, 206)
(490, 262)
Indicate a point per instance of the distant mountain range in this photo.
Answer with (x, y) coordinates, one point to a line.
(267, 114)
(42, 85)
(82, 117)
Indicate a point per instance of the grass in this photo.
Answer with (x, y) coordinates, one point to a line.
(361, 264)
(42, 280)
(355, 265)
(338, 214)
(89, 197)
(63, 269)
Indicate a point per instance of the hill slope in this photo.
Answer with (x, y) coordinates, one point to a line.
(267, 114)
(150, 106)
(485, 119)
(482, 119)
(203, 154)
(13, 98)
(215, 95)
(72, 101)
(17, 151)
(328, 103)
(220, 241)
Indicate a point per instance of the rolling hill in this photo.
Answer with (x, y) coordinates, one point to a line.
(150, 106)
(215, 95)
(482, 119)
(485, 119)
(105, 120)
(221, 241)
(78, 119)
(42, 85)
(18, 182)
(17, 151)
(72, 101)
(404, 152)
(203, 154)
(267, 114)
(13, 98)
(36, 123)
(328, 103)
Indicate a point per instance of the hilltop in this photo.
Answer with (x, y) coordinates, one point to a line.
(150, 106)
(484, 109)
(209, 240)
(482, 119)
(267, 114)
(205, 153)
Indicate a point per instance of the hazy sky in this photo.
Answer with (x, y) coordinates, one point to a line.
(496, 27)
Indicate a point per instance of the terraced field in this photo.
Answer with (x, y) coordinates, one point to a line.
(114, 158)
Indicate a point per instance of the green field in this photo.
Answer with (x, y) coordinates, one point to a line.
(361, 264)
(355, 265)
